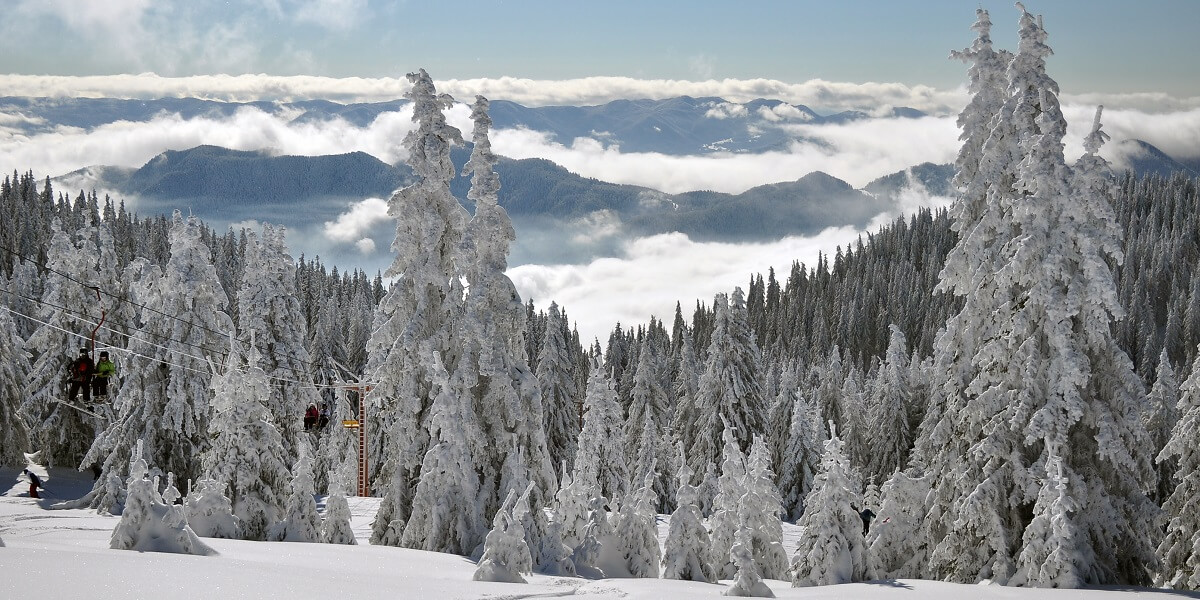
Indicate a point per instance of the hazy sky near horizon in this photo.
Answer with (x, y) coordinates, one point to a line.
(1104, 46)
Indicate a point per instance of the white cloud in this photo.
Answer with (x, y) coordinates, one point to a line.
(353, 224)
(365, 245)
(857, 152)
(726, 110)
(782, 112)
(654, 273)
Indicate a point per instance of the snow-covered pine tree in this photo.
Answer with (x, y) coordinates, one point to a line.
(300, 523)
(210, 511)
(727, 503)
(269, 317)
(170, 493)
(600, 466)
(831, 548)
(888, 401)
(246, 453)
(341, 446)
(149, 525)
(447, 514)
(560, 396)
(637, 530)
(570, 509)
(686, 389)
(748, 581)
(1052, 553)
(949, 428)
(1178, 551)
(164, 396)
(494, 367)
(335, 526)
(649, 401)
(14, 364)
(761, 508)
(419, 311)
(730, 388)
(899, 554)
(801, 457)
(505, 554)
(1030, 363)
(589, 556)
(62, 434)
(686, 549)
(1163, 414)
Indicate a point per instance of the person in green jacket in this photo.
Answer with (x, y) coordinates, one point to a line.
(104, 369)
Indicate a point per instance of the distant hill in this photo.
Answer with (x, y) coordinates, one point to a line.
(225, 184)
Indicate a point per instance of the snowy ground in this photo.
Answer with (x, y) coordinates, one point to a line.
(65, 554)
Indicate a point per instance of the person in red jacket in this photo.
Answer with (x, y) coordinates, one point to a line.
(310, 417)
(81, 376)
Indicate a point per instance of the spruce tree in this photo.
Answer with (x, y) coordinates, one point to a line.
(1178, 551)
(417, 314)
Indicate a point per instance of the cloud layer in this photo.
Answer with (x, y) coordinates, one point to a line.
(653, 273)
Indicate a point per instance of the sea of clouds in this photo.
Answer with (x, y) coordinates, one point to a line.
(640, 276)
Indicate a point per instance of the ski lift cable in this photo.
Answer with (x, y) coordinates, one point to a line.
(123, 299)
(114, 348)
(220, 353)
(159, 360)
(85, 319)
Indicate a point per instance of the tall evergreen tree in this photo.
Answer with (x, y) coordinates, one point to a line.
(730, 388)
(269, 316)
(1178, 551)
(417, 315)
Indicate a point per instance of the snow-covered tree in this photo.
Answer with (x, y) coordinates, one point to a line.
(649, 401)
(591, 555)
(270, 318)
(300, 523)
(600, 465)
(1178, 551)
(14, 364)
(831, 548)
(1051, 552)
(505, 554)
(149, 525)
(165, 393)
(1163, 414)
(686, 549)
(570, 509)
(210, 511)
(888, 411)
(447, 515)
(727, 504)
(637, 530)
(335, 527)
(246, 453)
(900, 554)
(761, 508)
(418, 312)
(801, 457)
(1030, 362)
(730, 388)
(60, 432)
(748, 581)
(560, 396)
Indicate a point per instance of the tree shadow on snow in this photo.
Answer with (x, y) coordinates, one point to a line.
(1164, 592)
(892, 583)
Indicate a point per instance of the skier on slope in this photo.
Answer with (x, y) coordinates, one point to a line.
(35, 482)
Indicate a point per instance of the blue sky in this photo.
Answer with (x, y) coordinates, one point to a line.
(1105, 46)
